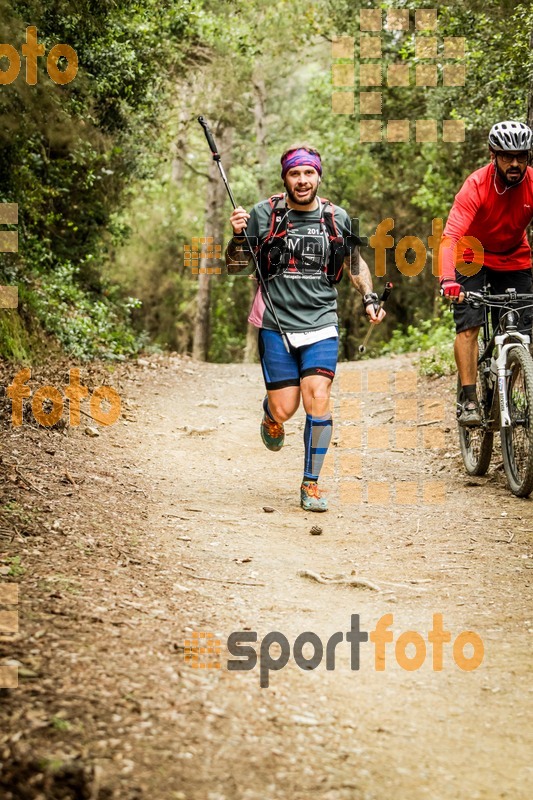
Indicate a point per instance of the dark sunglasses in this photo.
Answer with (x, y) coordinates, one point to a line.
(507, 158)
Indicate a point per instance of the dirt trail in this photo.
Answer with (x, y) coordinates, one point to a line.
(161, 532)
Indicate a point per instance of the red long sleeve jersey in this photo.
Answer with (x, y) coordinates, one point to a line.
(498, 221)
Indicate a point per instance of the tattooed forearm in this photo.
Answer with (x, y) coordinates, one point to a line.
(359, 272)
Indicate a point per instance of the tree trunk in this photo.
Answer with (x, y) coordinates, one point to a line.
(200, 344)
(260, 134)
(250, 351)
(213, 232)
(179, 147)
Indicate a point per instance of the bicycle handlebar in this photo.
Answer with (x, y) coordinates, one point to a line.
(497, 299)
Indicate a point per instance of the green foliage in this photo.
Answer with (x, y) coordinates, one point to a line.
(86, 324)
(68, 155)
(109, 171)
(60, 724)
(438, 363)
(432, 337)
(18, 515)
(230, 295)
(16, 570)
(15, 341)
(150, 265)
(426, 333)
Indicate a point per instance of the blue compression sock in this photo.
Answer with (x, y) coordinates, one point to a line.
(317, 436)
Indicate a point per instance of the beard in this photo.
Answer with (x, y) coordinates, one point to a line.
(294, 199)
(511, 175)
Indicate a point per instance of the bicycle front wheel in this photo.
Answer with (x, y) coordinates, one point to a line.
(476, 443)
(517, 441)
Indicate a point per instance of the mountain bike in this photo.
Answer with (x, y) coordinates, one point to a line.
(505, 392)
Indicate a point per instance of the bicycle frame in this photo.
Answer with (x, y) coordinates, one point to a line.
(505, 378)
(496, 347)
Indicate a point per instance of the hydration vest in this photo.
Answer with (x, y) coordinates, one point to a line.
(273, 254)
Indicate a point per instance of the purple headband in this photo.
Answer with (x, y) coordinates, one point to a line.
(299, 158)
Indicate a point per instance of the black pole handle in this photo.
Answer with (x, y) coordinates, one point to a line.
(386, 292)
(209, 137)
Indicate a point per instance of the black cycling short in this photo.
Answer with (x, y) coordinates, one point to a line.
(499, 281)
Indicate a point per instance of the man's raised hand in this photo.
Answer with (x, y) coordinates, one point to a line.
(373, 316)
(373, 308)
(239, 220)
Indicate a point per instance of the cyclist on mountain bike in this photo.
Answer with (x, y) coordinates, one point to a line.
(494, 206)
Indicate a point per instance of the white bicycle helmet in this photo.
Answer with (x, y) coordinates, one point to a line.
(510, 135)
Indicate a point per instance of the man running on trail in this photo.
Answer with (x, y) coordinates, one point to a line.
(494, 206)
(300, 260)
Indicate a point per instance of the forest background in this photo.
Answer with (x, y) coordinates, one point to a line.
(113, 177)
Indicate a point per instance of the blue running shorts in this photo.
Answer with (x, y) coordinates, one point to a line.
(282, 369)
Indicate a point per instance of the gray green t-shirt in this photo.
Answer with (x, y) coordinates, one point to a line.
(303, 297)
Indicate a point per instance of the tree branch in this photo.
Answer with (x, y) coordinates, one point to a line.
(193, 169)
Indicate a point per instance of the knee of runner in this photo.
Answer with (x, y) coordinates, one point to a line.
(282, 413)
(317, 404)
(319, 396)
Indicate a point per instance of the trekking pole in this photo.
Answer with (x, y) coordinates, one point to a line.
(382, 300)
(266, 295)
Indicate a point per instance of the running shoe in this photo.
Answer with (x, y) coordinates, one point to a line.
(272, 433)
(310, 497)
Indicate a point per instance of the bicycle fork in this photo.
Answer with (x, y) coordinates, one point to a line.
(501, 374)
(505, 417)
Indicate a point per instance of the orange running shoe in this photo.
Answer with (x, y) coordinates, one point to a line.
(310, 497)
(272, 433)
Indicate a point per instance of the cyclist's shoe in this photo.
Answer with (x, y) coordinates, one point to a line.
(310, 497)
(272, 433)
(469, 414)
